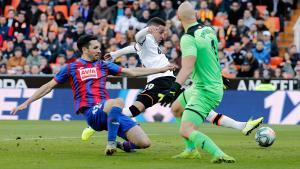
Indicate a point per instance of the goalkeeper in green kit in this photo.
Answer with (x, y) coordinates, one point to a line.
(200, 60)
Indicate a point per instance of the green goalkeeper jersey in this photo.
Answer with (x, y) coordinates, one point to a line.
(202, 43)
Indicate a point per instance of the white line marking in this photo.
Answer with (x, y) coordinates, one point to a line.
(38, 138)
(55, 138)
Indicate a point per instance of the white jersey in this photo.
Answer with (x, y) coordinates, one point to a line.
(152, 57)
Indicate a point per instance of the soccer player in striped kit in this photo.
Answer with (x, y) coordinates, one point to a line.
(87, 77)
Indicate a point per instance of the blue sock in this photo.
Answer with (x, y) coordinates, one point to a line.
(113, 123)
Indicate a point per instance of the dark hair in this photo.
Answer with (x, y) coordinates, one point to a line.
(245, 36)
(61, 55)
(18, 48)
(260, 18)
(69, 35)
(34, 49)
(84, 41)
(156, 21)
(3, 65)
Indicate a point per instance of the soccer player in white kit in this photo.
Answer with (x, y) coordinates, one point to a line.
(147, 48)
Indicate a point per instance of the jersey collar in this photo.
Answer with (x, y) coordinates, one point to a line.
(85, 61)
(193, 24)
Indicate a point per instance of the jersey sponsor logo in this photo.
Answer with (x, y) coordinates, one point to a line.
(88, 73)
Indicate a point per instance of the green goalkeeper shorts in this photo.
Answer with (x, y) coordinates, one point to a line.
(198, 103)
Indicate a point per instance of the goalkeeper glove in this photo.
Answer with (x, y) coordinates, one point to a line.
(169, 96)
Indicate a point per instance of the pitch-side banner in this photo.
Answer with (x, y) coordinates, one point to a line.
(243, 84)
(280, 107)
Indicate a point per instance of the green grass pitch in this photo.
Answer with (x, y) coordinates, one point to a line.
(57, 145)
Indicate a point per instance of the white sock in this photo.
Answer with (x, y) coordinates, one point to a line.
(225, 121)
(127, 112)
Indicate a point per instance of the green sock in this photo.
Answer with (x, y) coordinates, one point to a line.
(189, 145)
(203, 141)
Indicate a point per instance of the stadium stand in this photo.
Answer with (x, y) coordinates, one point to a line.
(50, 28)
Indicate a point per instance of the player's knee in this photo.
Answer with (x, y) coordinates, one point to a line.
(145, 143)
(185, 131)
(119, 102)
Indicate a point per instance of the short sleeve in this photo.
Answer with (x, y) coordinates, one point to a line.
(62, 75)
(113, 69)
(188, 46)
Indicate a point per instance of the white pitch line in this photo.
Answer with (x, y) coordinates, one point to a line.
(38, 138)
(55, 138)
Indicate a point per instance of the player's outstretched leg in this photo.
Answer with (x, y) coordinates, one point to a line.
(225, 121)
(216, 118)
(87, 133)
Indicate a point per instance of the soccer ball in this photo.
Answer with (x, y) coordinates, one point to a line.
(265, 136)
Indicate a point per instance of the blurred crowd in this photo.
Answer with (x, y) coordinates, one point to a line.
(39, 36)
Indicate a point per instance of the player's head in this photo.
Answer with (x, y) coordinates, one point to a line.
(89, 46)
(161, 27)
(156, 21)
(186, 12)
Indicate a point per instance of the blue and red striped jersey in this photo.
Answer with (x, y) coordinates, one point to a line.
(87, 80)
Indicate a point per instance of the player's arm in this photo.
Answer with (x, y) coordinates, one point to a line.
(189, 54)
(114, 69)
(120, 52)
(145, 71)
(42, 91)
(187, 63)
(140, 37)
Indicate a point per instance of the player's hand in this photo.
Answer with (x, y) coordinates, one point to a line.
(18, 108)
(226, 83)
(167, 97)
(168, 67)
(107, 57)
(153, 29)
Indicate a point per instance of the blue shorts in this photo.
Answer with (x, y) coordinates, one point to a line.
(97, 119)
